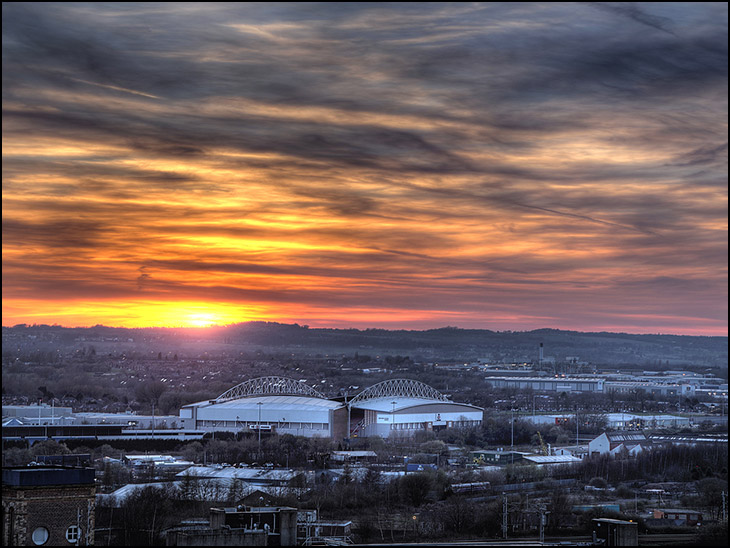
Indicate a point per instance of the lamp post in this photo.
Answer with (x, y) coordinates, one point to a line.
(258, 426)
(504, 515)
(349, 412)
(512, 435)
(512, 427)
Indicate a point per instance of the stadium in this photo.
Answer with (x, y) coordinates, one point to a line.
(401, 407)
(397, 407)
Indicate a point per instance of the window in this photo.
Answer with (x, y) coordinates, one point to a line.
(73, 534)
(40, 536)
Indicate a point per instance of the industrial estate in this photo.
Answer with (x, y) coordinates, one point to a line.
(342, 449)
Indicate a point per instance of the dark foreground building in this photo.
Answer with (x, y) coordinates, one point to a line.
(51, 506)
(240, 526)
(615, 532)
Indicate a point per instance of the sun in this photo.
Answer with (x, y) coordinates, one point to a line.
(201, 319)
(198, 314)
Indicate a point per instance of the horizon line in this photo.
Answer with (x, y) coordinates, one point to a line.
(213, 326)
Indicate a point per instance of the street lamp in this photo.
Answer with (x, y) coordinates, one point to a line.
(512, 424)
(258, 427)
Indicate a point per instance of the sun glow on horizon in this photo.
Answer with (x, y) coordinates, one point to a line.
(202, 319)
(134, 314)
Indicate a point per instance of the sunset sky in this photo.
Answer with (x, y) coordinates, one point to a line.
(500, 166)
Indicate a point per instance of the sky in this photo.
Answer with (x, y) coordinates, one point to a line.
(505, 166)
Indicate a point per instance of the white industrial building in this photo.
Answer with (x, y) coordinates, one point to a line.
(614, 443)
(549, 384)
(47, 415)
(615, 421)
(268, 404)
(665, 387)
(287, 406)
(401, 407)
(656, 388)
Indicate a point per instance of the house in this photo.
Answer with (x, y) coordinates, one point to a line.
(679, 517)
(256, 477)
(354, 457)
(259, 498)
(157, 466)
(485, 456)
(614, 443)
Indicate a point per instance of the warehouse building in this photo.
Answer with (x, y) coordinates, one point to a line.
(270, 404)
(549, 384)
(402, 407)
(287, 406)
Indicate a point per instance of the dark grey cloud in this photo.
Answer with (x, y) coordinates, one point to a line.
(59, 234)
(632, 11)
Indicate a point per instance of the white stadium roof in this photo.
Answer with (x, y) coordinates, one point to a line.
(283, 403)
(387, 404)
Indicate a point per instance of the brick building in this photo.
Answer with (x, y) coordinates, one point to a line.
(51, 506)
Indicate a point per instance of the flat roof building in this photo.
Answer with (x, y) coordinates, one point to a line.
(52, 506)
(278, 404)
(402, 407)
(270, 404)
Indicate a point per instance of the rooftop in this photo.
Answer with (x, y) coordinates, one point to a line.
(47, 475)
(552, 459)
(283, 402)
(251, 475)
(396, 403)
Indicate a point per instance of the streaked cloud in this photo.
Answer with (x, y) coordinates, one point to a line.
(507, 166)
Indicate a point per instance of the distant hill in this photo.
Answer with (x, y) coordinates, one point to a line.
(447, 343)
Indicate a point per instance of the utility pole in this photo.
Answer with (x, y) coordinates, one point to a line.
(543, 522)
(504, 515)
(349, 411)
(512, 438)
(512, 424)
(258, 427)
